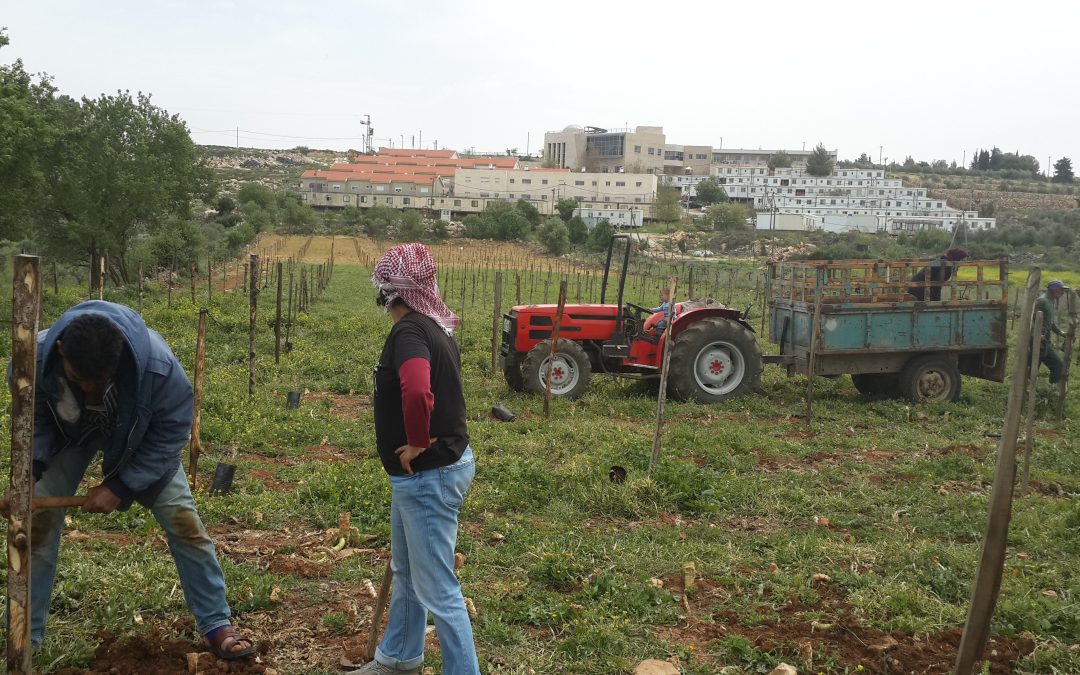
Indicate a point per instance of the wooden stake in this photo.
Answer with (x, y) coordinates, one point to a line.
(1032, 390)
(196, 420)
(101, 278)
(25, 303)
(209, 281)
(140, 288)
(661, 399)
(992, 559)
(253, 304)
(1070, 338)
(811, 361)
(554, 345)
(193, 270)
(496, 323)
(277, 318)
(380, 606)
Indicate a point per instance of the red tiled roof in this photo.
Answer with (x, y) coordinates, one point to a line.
(389, 177)
(547, 169)
(414, 152)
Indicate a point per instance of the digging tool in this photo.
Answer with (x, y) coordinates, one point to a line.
(380, 606)
(57, 502)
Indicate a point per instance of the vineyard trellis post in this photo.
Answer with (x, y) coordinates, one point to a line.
(1032, 388)
(277, 317)
(661, 398)
(253, 289)
(196, 420)
(496, 324)
(25, 310)
(554, 347)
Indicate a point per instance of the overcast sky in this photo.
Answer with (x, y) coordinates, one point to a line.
(927, 79)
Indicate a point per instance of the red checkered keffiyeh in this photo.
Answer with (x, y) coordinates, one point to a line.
(407, 271)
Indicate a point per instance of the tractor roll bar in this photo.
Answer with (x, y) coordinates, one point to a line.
(607, 267)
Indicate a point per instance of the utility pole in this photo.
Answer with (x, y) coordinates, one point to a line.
(237, 138)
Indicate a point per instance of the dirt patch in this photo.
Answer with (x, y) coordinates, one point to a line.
(965, 449)
(154, 655)
(344, 406)
(266, 478)
(313, 453)
(834, 634)
(886, 479)
(298, 553)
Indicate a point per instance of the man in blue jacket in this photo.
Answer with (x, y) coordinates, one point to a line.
(107, 383)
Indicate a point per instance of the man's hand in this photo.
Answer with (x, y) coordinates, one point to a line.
(407, 453)
(100, 499)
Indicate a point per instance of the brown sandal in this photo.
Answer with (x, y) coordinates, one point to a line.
(221, 635)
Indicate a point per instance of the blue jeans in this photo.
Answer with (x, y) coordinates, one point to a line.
(191, 547)
(423, 520)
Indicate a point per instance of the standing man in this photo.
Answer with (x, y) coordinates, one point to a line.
(1047, 304)
(107, 383)
(420, 432)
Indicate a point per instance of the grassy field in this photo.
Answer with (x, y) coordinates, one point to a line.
(816, 543)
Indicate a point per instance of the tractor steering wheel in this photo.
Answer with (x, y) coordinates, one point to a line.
(643, 311)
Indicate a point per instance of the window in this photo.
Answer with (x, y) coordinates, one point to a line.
(605, 145)
(303, 195)
(594, 183)
(652, 151)
(405, 201)
(620, 183)
(511, 180)
(337, 187)
(431, 202)
(526, 181)
(579, 182)
(329, 198)
(380, 188)
(543, 182)
(363, 199)
(607, 183)
(637, 184)
(509, 196)
(637, 149)
(397, 189)
(346, 199)
(424, 190)
(475, 203)
(457, 202)
(484, 195)
(543, 197)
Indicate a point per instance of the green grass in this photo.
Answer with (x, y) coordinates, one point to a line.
(560, 561)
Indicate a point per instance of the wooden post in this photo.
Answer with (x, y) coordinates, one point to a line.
(992, 559)
(101, 278)
(196, 420)
(554, 345)
(661, 399)
(140, 288)
(56, 280)
(289, 311)
(25, 303)
(277, 317)
(253, 304)
(1032, 389)
(209, 281)
(172, 268)
(1070, 337)
(191, 274)
(811, 361)
(496, 323)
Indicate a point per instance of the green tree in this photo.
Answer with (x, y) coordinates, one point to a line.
(566, 207)
(579, 231)
(667, 204)
(1063, 171)
(225, 205)
(554, 235)
(708, 191)
(133, 167)
(601, 235)
(297, 216)
(529, 211)
(779, 160)
(820, 162)
(259, 194)
(411, 227)
(727, 216)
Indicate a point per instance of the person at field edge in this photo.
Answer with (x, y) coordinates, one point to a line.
(106, 382)
(1047, 304)
(420, 432)
(940, 271)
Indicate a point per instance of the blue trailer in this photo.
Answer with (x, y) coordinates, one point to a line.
(894, 330)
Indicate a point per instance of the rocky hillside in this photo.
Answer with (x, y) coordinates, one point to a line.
(276, 169)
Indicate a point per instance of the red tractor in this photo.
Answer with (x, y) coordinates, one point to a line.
(714, 355)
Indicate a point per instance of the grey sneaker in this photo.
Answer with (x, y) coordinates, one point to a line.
(373, 667)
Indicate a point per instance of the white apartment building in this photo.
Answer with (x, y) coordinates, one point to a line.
(849, 198)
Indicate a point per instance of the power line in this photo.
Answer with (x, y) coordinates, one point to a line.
(264, 133)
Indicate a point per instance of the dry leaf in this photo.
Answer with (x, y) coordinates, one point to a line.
(1050, 593)
(275, 594)
(820, 579)
(137, 619)
(459, 560)
(822, 521)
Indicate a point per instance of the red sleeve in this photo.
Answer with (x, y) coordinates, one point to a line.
(417, 401)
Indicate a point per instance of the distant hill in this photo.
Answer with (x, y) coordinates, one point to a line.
(276, 169)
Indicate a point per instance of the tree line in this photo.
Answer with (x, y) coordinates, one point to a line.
(113, 176)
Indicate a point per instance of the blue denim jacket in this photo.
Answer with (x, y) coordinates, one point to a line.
(155, 402)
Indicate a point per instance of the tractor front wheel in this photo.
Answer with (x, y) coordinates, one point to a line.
(570, 369)
(712, 360)
(512, 374)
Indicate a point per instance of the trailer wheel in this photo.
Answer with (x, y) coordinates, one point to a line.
(930, 378)
(570, 372)
(712, 360)
(876, 384)
(512, 374)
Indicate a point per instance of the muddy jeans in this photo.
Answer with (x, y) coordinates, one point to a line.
(191, 547)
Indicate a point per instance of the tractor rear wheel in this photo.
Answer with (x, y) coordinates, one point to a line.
(712, 360)
(876, 384)
(512, 375)
(930, 378)
(570, 372)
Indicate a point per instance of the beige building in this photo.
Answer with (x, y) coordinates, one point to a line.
(637, 150)
(551, 185)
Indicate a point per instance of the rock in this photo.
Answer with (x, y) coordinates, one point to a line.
(200, 662)
(784, 669)
(887, 643)
(459, 560)
(655, 667)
